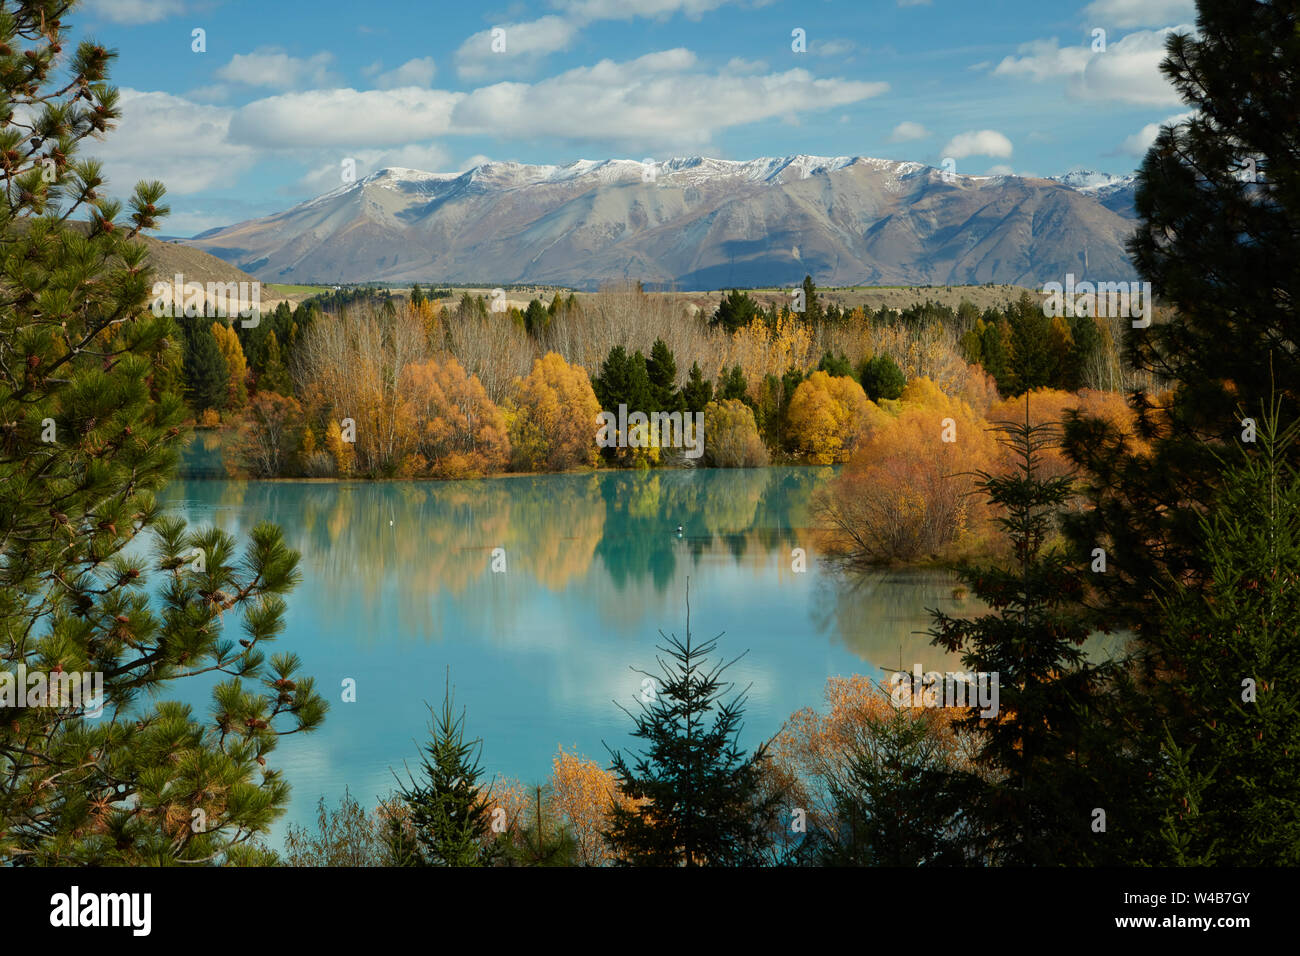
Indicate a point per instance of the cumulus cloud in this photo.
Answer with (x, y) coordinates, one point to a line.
(1141, 141)
(1127, 71)
(134, 11)
(326, 171)
(907, 131)
(739, 64)
(273, 67)
(417, 72)
(344, 117)
(526, 44)
(651, 101)
(984, 142)
(628, 9)
(1044, 59)
(1139, 13)
(166, 137)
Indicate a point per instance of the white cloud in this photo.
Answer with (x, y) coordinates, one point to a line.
(344, 117)
(984, 142)
(1043, 59)
(648, 102)
(417, 72)
(907, 131)
(134, 11)
(326, 173)
(273, 67)
(526, 44)
(1127, 71)
(739, 64)
(1141, 141)
(166, 137)
(628, 9)
(1139, 13)
(1000, 169)
(836, 47)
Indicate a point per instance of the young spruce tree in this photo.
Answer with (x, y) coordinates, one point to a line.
(704, 799)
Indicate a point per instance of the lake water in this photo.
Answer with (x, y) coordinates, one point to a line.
(398, 586)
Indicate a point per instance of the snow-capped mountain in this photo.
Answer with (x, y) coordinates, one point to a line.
(692, 222)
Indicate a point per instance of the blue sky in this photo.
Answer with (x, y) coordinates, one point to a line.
(284, 92)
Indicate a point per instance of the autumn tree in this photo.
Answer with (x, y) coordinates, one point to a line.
(551, 417)
(267, 436)
(236, 368)
(827, 417)
(905, 492)
(730, 436)
(584, 795)
(456, 431)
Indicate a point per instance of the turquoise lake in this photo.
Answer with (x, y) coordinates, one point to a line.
(398, 586)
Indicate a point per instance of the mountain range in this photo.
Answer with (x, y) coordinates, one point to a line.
(694, 223)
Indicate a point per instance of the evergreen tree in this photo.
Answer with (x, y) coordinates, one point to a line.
(207, 380)
(837, 366)
(995, 342)
(698, 391)
(735, 311)
(894, 805)
(417, 295)
(275, 377)
(543, 840)
(705, 803)
(624, 379)
(91, 427)
(1087, 345)
(1032, 362)
(1228, 707)
(812, 307)
(536, 318)
(661, 369)
(1033, 799)
(448, 811)
(1217, 200)
(880, 377)
(733, 385)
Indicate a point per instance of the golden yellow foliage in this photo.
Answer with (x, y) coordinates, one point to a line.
(730, 436)
(453, 428)
(551, 417)
(829, 415)
(583, 793)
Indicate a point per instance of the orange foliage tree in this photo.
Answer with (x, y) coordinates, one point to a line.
(455, 430)
(906, 491)
(812, 756)
(267, 436)
(583, 793)
(551, 417)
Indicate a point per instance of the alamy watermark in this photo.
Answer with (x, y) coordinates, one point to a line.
(656, 430)
(1100, 300)
(76, 689)
(211, 300)
(950, 689)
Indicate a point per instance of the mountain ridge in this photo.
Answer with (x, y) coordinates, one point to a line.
(847, 220)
